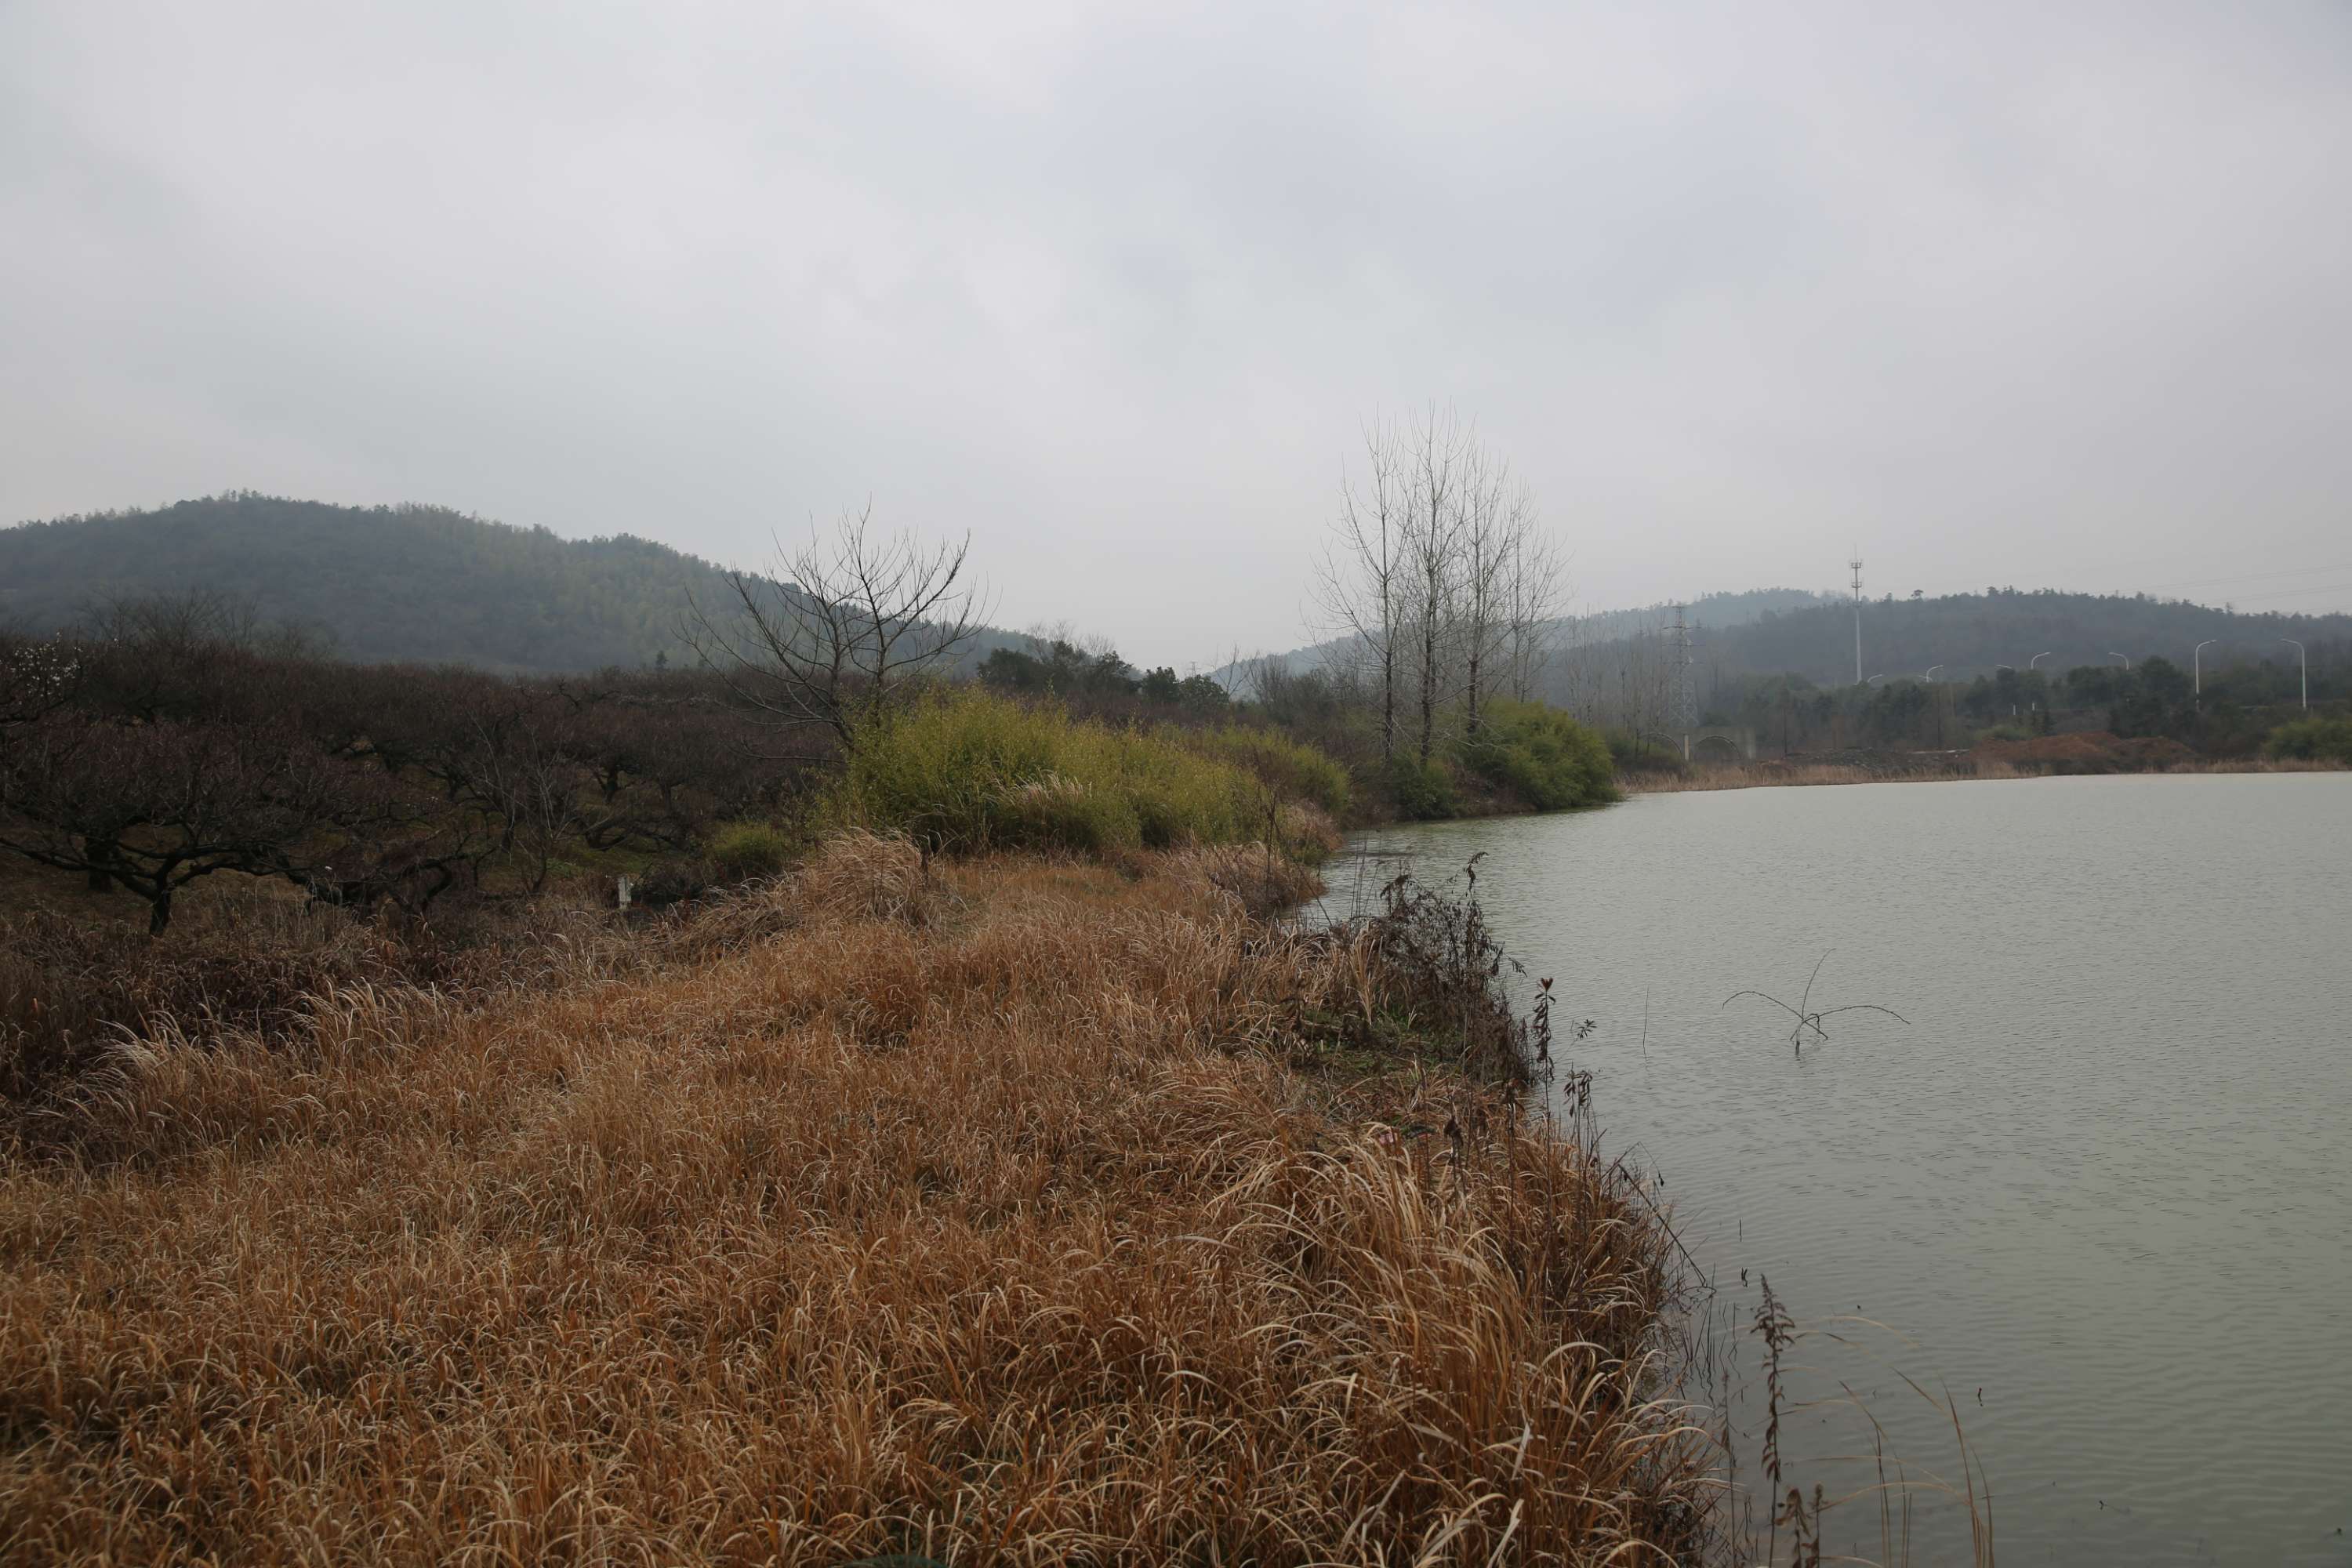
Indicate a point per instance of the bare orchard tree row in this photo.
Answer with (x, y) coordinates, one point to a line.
(172, 742)
(1440, 578)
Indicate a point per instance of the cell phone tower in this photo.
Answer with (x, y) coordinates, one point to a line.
(1857, 564)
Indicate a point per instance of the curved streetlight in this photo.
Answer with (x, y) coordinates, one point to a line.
(2306, 660)
(1875, 677)
(2197, 665)
(1930, 677)
(2113, 654)
(2037, 658)
(2011, 668)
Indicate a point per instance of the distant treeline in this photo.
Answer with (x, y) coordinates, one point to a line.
(1962, 636)
(2238, 713)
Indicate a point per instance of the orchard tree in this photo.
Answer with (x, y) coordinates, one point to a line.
(845, 631)
(155, 806)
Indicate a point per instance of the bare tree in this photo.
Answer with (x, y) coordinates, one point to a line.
(1444, 465)
(1437, 577)
(1495, 597)
(1358, 581)
(1531, 608)
(845, 631)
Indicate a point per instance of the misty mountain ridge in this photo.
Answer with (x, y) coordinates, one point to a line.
(385, 583)
(1962, 636)
(429, 584)
(1775, 631)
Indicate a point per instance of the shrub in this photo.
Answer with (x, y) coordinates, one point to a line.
(970, 770)
(742, 850)
(1421, 790)
(2316, 739)
(1292, 769)
(1634, 753)
(1541, 756)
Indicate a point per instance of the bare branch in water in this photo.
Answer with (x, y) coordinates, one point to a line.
(1807, 1019)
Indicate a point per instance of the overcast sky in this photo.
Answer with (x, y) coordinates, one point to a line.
(2036, 294)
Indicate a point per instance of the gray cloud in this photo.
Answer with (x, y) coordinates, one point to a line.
(2016, 294)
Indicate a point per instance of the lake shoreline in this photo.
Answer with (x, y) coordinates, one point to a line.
(2023, 1168)
(1791, 774)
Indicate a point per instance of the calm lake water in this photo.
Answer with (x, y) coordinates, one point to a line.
(2100, 1182)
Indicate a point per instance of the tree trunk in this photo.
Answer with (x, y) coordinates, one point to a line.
(159, 911)
(1388, 702)
(1428, 690)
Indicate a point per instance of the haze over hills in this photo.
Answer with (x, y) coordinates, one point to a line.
(1589, 626)
(406, 582)
(1790, 631)
(389, 584)
(433, 585)
(1962, 636)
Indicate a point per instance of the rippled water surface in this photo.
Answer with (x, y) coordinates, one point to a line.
(2100, 1182)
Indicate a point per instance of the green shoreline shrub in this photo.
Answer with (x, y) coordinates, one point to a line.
(2312, 740)
(1541, 756)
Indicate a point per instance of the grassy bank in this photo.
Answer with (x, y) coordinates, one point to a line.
(1017, 1209)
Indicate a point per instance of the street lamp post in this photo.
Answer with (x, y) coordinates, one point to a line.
(2037, 658)
(2304, 660)
(2113, 654)
(2197, 667)
(1930, 677)
(1875, 677)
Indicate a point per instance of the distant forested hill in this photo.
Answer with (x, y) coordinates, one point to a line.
(1600, 625)
(1969, 633)
(389, 583)
(1783, 631)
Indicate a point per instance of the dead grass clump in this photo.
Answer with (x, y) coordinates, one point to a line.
(72, 987)
(1307, 831)
(987, 1238)
(854, 875)
(867, 876)
(1264, 880)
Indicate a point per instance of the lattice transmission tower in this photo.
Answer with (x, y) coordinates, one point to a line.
(1857, 564)
(1682, 697)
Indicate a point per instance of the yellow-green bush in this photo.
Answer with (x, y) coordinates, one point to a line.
(1541, 756)
(967, 770)
(1292, 769)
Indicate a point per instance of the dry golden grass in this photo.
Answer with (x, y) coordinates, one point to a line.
(974, 1211)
